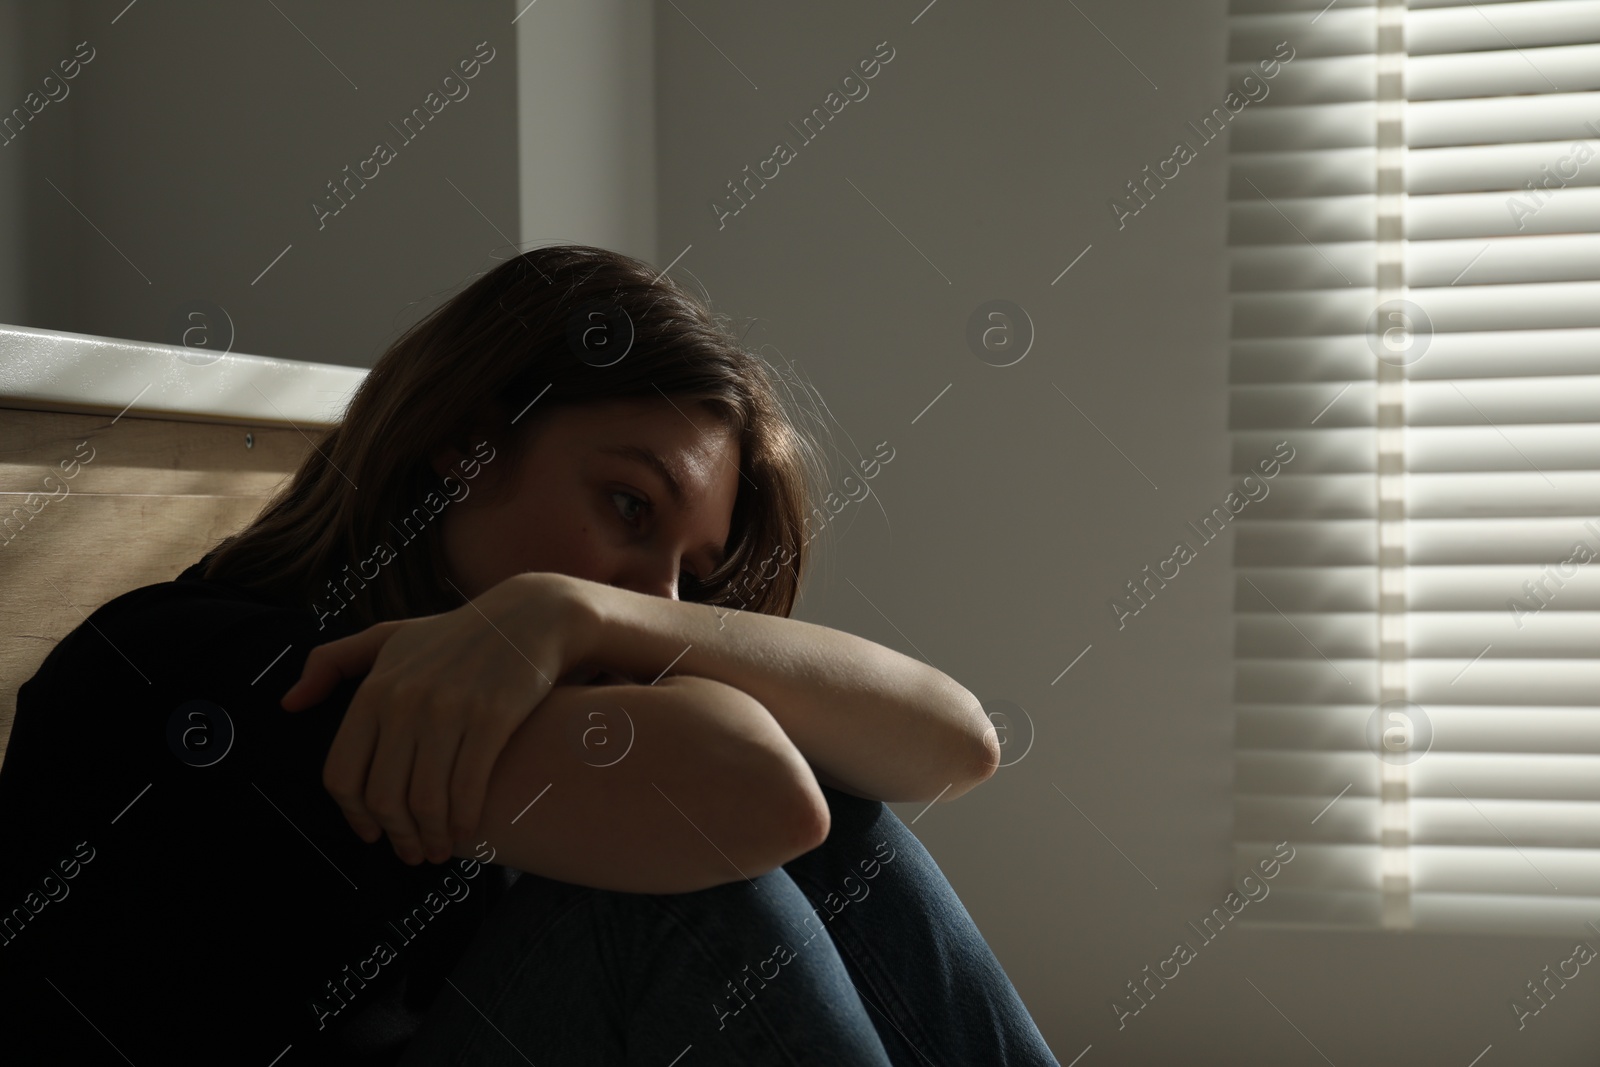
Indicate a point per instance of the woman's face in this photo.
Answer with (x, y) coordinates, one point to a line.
(586, 501)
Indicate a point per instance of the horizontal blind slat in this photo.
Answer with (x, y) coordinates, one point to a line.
(1487, 261)
(1283, 173)
(1460, 354)
(1262, 219)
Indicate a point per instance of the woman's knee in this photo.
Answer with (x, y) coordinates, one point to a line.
(851, 813)
(863, 834)
(759, 968)
(751, 911)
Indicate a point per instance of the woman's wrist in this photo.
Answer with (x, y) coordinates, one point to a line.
(641, 636)
(582, 621)
(548, 600)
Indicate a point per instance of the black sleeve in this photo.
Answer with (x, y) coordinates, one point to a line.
(184, 888)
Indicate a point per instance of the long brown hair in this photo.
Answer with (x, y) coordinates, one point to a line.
(537, 332)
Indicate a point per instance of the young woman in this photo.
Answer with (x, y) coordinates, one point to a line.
(536, 585)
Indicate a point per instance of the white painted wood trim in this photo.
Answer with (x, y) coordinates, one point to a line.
(53, 370)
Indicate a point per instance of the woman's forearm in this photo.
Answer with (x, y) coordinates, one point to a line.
(868, 719)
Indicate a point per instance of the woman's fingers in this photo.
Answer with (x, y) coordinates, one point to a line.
(344, 774)
(388, 791)
(429, 797)
(416, 749)
(480, 748)
(333, 662)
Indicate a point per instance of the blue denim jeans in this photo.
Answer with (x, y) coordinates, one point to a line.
(858, 952)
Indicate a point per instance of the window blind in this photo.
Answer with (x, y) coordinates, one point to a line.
(1414, 257)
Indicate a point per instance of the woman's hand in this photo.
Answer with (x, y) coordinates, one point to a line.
(442, 695)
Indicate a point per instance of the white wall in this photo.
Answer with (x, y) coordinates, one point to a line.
(37, 257)
(586, 124)
(12, 294)
(196, 139)
(992, 142)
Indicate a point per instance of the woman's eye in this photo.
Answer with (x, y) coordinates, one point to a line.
(629, 496)
(684, 580)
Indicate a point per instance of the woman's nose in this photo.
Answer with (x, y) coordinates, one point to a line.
(653, 581)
